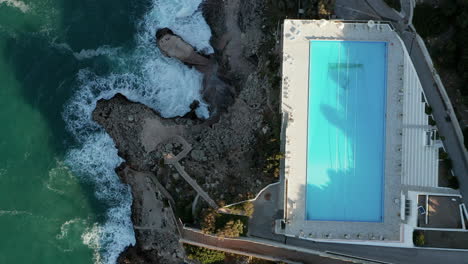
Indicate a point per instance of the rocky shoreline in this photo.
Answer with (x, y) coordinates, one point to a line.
(223, 159)
(232, 155)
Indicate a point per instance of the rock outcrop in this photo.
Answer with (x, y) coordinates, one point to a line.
(226, 156)
(216, 91)
(174, 46)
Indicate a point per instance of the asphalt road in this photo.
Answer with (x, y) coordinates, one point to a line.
(257, 247)
(387, 254)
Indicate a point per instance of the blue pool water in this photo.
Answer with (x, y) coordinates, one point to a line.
(346, 131)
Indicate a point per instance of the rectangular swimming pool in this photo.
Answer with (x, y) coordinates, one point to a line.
(346, 131)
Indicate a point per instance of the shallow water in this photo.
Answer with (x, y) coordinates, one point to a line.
(60, 199)
(346, 131)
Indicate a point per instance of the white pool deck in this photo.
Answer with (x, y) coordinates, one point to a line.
(410, 160)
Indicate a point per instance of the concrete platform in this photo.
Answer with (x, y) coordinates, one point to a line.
(296, 37)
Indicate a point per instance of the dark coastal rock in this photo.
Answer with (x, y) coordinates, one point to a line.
(174, 46)
(225, 157)
(216, 92)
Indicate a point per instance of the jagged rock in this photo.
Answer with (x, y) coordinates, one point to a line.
(174, 46)
(198, 155)
(175, 176)
(227, 142)
(216, 92)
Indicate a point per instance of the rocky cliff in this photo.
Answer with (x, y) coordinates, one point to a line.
(229, 155)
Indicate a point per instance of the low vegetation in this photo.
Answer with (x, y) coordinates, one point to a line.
(246, 208)
(225, 225)
(431, 121)
(451, 52)
(268, 143)
(441, 239)
(233, 228)
(204, 255)
(395, 4)
(209, 256)
(419, 238)
(428, 110)
(268, 146)
(465, 137)
(451, 180)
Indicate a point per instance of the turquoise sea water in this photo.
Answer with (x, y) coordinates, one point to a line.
(60, 199)
(346, 131)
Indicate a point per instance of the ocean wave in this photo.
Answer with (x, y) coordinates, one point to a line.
(17, 4)
(14, 212)
(92, 237)
(85, 54)
(95, 162)
(60, 178)
(65, 227)
(142, 75)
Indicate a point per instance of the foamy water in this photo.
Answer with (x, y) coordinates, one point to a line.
(142, 75)
(17, 4)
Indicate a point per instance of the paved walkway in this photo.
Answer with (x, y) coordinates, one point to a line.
(258, 247)
(303, 251)
(262, 222)
(387, 254)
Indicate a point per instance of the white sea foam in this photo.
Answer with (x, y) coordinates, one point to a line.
(14, 212)
(18, 4)
(60, 178)
(95, 162)
(92, 237)
(90, 53)
(65, 227)
(142, 75)
(181, 16)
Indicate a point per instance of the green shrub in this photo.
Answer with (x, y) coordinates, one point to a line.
(448, 163)
(418, 238)
(249, 208)
(268, 155)
(428, 110)
(465, 101)
(465, 137)
(325, 8)
(431, 122)
(208, 221)
(430, 21)
(246, 208)
(204, 255)
(395, 4)
(183, 210)
(226, 225)
(443, 155)
(233, 228)
(453, 182)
